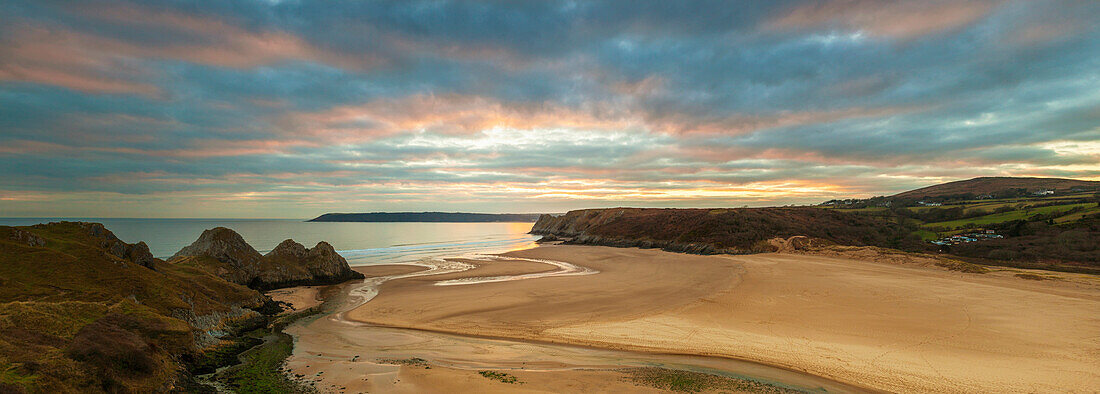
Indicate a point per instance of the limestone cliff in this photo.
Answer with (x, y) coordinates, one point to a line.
(225, 253)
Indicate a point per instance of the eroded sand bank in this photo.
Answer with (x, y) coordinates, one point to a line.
(897, 328)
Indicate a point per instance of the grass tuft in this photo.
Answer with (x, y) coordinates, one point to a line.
(1031, 277)
(962, 266)
(694, 382)
(501, 376)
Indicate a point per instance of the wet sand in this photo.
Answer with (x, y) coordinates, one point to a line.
(374, 271)
(305, 297)
(297, 298)
(337, 355)
(890, 327)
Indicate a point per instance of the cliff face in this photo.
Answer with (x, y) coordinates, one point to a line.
(709, 231)
(224, 253)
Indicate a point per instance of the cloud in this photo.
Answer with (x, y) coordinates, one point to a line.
(446, 115)
(886, 18)
(105, 60)
(62, 58)
(242, 108)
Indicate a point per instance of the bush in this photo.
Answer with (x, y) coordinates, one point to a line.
(110, 347)
(1003, 254)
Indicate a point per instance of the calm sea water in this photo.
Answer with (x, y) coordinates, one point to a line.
(359, 243)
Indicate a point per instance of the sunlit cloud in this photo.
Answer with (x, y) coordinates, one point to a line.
(247, 109)
(898, 19)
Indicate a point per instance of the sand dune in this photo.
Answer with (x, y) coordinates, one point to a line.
(897, 328)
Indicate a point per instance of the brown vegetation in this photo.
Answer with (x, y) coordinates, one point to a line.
(82, 311)
(707, 231)
(992, 185)
(1071, 247)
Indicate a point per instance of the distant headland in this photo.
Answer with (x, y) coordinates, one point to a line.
(434, 217)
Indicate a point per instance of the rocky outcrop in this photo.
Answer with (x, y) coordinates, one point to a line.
(239, 262)
(292, 264)
(137, 253)
(25, 237)
(211, 328)
(225, 253)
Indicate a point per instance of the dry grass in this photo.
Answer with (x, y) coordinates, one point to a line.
(693, 382)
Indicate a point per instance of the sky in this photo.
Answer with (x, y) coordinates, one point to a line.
(290, 109)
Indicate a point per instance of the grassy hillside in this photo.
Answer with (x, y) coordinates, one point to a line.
(1059, 231)
(78, 314)
(995, 185)
(740, 230)
(1021, 213)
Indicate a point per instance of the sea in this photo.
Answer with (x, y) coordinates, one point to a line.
(359, 243)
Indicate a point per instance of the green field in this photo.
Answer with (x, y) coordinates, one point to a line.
(1077, 216)
(1022, 214)
(928, 235)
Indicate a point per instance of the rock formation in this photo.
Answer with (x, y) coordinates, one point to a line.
(226, 254)
(234, 259)
(137, 253)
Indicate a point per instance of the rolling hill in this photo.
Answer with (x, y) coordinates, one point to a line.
(992, 185)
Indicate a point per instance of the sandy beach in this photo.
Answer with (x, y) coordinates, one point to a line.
(882, 326)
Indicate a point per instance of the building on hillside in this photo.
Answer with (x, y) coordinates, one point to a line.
(1043, 192)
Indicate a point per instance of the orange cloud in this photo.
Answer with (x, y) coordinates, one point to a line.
(680, 123)
(896, 19)
(98, 64)
(211, 40)
(198, 148)
(445, 114)
(455, 114)
(64, 58)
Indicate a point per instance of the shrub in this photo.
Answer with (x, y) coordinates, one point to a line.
(1003, 254)
(111, 348)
